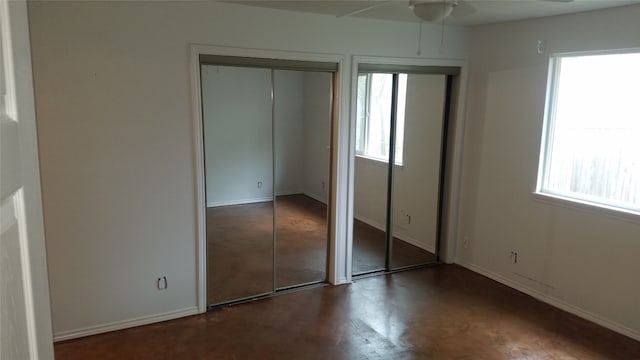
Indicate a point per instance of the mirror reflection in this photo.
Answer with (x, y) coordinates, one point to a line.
(409, 207)
(302, 120)
(416, 180)
(373, 127)
(267, 160)
(236, 104)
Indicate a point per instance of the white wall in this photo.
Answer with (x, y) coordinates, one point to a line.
(114, 106)
(416, 181)
(289, 131)
(584, 262)
(317, 134)
(302, 133)
(237, 120)
(236, 105)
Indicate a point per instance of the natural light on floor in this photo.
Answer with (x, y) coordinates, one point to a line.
(593, 125)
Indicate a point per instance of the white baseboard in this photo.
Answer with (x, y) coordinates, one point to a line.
(123, 324)
(396, 234)
(315, 197)
(288, 192)
(264, 199)
(416, 243)
(555, 302)
(238, 202)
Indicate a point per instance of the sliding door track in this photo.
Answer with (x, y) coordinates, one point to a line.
(278, 292)
(379, 272)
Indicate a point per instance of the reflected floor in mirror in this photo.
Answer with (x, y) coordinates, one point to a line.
(301, 244)
(369, 250)
(239, 251)
(240, 257)
(240, 243)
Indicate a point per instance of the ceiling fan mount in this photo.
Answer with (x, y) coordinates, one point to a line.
(432, 11)
(436, 10)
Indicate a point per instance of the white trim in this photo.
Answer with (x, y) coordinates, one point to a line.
(415, 242)
(396, 234)
(124, 324)
(378, 162)
(618, 51)
(289, 192)
(238, 202)
(457, 130)
(336, 272)
(553, 301)
(200, 195)
(547, 123)
(341, 188)
(582, 202)
(315, 197)
(588, 207)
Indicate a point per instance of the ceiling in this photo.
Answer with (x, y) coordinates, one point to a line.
(486, 11)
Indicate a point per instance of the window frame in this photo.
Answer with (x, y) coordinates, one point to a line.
(586, 202)
(366, 123)
(364, 140)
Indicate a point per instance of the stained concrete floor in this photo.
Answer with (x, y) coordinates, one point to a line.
(442, 312)
(240, 251)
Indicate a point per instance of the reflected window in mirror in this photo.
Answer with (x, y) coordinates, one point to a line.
(373, 116)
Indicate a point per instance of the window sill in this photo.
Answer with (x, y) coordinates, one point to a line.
(588, 207)
(377, 161)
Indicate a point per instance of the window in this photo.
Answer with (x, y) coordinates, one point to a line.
(373, 124)
(592, 131)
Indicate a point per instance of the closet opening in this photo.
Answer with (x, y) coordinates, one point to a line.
(267, 141)
(401, 166)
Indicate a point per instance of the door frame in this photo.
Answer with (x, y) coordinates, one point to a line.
(453, 167)
(336, 270)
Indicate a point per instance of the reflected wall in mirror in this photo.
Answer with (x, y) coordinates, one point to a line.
(373, 127)
(416, 182)
(302, 125)
(267, 175)
(415, 188)
(236, 104)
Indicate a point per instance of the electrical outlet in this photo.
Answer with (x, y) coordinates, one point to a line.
(161, 283)
(465, 242)
(323, 185)
(408, 218)
(259, 184)
(514, 257)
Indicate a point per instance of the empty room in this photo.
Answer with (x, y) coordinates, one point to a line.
(406, 179)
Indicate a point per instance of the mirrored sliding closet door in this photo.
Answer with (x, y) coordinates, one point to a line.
(238, 142)
(416, 180)
(267, 146)
(400, 146)
(302, 126)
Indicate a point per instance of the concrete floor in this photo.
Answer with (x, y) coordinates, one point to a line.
(240, 247)
(442, 312)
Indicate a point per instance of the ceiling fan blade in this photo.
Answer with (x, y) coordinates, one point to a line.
(366, 8)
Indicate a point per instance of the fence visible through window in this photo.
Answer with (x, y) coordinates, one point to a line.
(592, 152)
